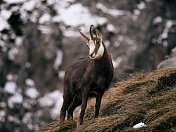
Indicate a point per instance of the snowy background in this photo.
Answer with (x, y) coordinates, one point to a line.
(39, 38)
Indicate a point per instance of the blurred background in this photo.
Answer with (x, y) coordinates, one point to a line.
(38, 38)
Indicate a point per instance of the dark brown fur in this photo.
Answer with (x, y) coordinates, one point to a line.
(86, 78)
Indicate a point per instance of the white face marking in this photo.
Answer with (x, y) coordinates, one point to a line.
(91, 47)
(99, 53)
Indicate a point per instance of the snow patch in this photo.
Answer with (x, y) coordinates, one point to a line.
(70, 33)
(5, 14)
(120, 38)
(165, 43)
(45, 29)
(61, 74)
(17, 98)
(14, 1)
(10, 77)
(12, 53)
(141, 5)
(137, 11)
(117, 44)
(18, 41)
(157, 20)
(139, 125)
(29, 5)
(13, 119)
(52, 99)
(58, 60)
(3, 23)
(117, 62)
(111, 28)
(27, 118)
(32, 93)
(29, 82)
(27, 105)
(34, 16)
(113, 12)
(107, 43)
(76, 15)
(44, 18)
(28, 65)
(166, 30)
(10, 87)
(2, 115)
(3, 104)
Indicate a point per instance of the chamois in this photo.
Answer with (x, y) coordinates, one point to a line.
(87, 77)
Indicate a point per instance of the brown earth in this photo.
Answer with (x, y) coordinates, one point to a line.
(144, 97)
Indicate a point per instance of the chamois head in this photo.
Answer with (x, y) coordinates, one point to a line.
(95, 43)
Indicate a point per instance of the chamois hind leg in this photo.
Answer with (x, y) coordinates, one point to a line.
(76, 102)
(67, 100)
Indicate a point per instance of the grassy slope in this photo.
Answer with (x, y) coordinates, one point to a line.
(145, 97)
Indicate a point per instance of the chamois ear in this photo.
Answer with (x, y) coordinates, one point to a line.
(84, 36)
(98, 34)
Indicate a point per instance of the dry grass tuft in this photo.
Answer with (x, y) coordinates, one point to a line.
(65, 126)
(145, 97)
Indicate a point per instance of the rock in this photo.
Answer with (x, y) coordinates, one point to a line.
(169, 62)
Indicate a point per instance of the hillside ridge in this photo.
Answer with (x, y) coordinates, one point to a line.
(144, 97)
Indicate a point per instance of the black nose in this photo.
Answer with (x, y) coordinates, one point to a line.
(91, 55)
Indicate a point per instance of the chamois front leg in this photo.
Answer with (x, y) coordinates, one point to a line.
(83, 105)
(97, 105)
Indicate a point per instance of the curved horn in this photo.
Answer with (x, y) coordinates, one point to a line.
(91, 35)
(87, 38)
